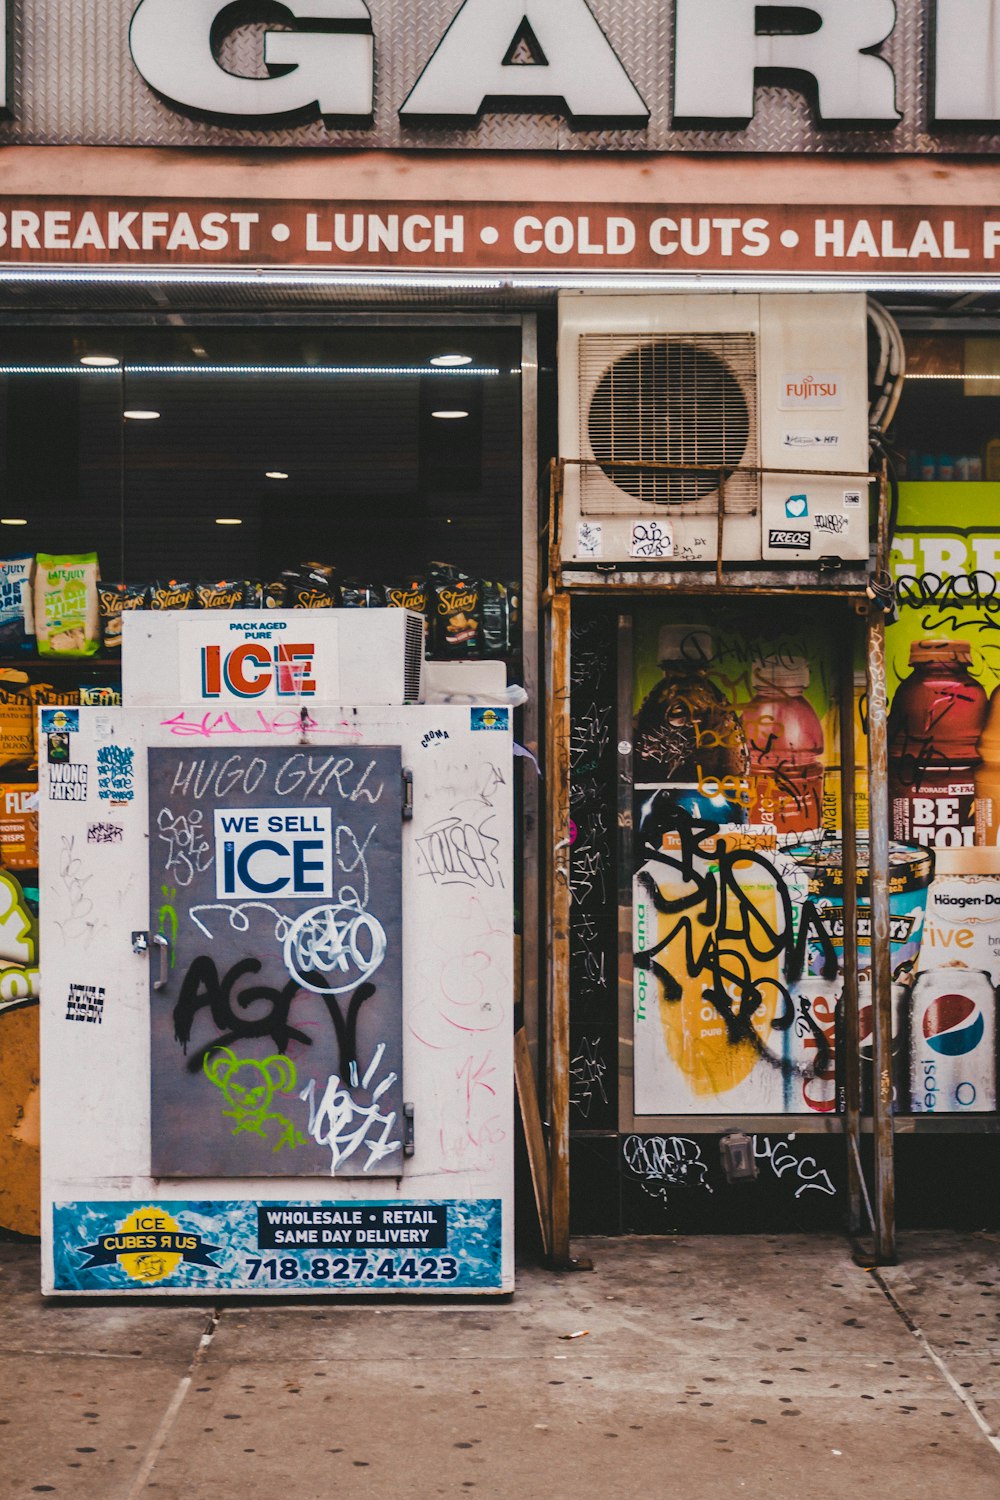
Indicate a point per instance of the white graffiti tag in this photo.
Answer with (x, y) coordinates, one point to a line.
(804, 1170)
(345, 1125)
(333, 949)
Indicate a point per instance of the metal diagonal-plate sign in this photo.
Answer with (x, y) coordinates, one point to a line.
(276, 1029)
(628, 75)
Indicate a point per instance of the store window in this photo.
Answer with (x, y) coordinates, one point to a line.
(185, 459)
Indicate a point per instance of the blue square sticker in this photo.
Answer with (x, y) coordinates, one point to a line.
(60, 720)
(489, 718)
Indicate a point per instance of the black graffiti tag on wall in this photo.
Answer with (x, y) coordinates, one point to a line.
(723, 929)
(235, 1020)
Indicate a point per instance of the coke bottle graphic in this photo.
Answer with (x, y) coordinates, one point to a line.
(937, 717)
(785, 739)
(686, 732)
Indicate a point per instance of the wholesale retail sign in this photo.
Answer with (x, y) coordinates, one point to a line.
(280, 1247)
(516, 237)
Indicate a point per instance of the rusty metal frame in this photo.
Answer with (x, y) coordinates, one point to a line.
(563, 585)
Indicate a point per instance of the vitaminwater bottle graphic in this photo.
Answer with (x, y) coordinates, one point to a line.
(785, 738)
(686, 731)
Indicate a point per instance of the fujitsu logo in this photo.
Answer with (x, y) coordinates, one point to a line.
(809, 389)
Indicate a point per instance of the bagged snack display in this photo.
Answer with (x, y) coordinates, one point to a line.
(19, 825)
(456, 613)
(93, 695)
(114, 599)
(310, 586)
(222, 595)
(275, 595)
(496, 619)
(16, 613)
(172, 595)
(66, 609)
(17, 740)
(411, 595)
(361, 596)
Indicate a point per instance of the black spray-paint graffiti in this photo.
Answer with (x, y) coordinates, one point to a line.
(203, 989)
(723, 929)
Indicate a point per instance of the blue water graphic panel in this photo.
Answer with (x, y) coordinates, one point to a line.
(182, 1246)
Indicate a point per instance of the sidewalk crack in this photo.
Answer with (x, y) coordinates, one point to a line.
(173, 1409)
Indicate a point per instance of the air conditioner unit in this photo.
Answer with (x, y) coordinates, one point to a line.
(717, 382)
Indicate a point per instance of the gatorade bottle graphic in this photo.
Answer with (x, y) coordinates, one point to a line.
(988, 778)
(685, 732)
(785, 739)
(937, 717)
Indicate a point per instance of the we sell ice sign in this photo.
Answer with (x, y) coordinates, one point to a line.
(275, 852)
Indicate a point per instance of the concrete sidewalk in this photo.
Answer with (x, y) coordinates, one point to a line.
(764, 1366)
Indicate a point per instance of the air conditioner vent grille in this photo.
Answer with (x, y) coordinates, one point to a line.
(414, 660)
(683, 399)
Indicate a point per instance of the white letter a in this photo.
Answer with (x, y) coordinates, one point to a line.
(471, 66)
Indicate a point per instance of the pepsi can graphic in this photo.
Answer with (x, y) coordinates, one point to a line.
(953, 1033)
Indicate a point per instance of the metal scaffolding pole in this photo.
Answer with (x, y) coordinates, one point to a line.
(850, 1102)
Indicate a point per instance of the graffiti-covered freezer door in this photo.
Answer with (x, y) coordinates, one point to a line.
(276, 979)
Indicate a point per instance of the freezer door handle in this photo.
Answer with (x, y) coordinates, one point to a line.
(159, 941)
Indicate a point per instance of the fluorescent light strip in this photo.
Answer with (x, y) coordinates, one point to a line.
(507, 281)
(327, 371)
(910, 376)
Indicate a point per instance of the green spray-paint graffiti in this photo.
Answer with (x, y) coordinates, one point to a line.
(167, 919)
(249, 1088)
(18, 946)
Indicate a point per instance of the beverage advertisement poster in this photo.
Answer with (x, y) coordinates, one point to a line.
(738, 870)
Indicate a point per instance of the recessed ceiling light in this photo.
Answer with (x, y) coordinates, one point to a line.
(141, 416)
(275, 474)
(12, 521)
(450, 361)
(101, 361)
(228, 521)
(449, 416)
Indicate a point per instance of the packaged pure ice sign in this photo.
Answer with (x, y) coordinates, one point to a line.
(16, 614)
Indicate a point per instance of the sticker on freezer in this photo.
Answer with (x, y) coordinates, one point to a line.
(281, 853)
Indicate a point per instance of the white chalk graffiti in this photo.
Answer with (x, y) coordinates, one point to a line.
(345, 1125)
(586, 1077)
(188, 850)
(340, 941)
(783, 1160)
(239, 917)
(662, 1160)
